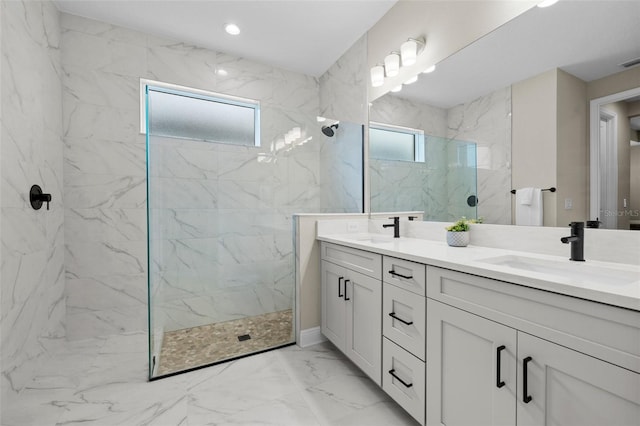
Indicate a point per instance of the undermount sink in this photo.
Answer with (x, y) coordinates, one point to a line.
(581, 271)
(374, 238)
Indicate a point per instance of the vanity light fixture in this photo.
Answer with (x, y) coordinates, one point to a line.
(431, 69)
(377, 76)
(409, 51)
(232, 29)
(547, 3)
(392, 64)
(411, 80)
(397, 89)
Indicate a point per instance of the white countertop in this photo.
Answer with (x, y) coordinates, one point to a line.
(590, 280)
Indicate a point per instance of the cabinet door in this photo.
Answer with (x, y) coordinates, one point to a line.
(570, 388)
(467, 359)
(333, 305)
(364, 323)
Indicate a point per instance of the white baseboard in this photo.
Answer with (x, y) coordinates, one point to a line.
(310, 337)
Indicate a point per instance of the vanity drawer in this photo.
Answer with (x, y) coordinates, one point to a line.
(357, 260)
(404, 274)
(400, 366)
(406, 307)
(603, 331)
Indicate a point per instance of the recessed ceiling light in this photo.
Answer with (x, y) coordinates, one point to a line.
(232, 29)
(547, 3)
(432, 68)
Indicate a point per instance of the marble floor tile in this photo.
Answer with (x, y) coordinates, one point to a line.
(103, 382)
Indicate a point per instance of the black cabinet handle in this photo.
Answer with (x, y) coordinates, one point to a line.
(345, 289)
(525, 397)
(395, 274)
(393, 315)
(393, 373)
(339, 281)
(499, 382)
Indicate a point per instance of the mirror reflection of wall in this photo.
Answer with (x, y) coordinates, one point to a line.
(522, 94)
(468, 154)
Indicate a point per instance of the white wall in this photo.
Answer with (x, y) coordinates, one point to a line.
(32, 309)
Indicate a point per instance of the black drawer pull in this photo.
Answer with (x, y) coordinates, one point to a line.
(392, 372)
(499, 382)
(395, 274)
(393, 315)
(525, 397)
(345, 289)
(339, 281)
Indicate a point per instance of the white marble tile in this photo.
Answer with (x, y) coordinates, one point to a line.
(343, 87)
(85, 323)
(104, 54)
(104, 225)
(94, 156)
(96, 259)
(91, 191)
(107, 292)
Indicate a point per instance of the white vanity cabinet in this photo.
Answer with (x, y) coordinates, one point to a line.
(351, 305)
(476, 341)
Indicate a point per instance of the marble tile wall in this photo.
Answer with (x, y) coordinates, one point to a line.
(341, 170)
(407, 186)
(343, 87)
(104, 175)
(487, 122)
(32, 308)
(256, 189)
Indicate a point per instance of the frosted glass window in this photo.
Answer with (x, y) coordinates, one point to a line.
(180, 114)
(400, 144)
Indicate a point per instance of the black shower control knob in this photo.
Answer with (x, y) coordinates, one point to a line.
(37, 197)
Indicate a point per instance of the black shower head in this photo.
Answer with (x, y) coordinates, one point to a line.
(328, 130)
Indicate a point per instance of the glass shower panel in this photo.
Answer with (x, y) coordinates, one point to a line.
(462, 185)
(440, 186)
(221, 281)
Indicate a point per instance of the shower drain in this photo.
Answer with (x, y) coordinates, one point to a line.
(244, 337)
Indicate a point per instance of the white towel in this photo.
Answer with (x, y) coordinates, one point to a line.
(529, 214)
(524, 196)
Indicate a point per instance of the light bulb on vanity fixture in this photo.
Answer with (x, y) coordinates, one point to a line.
(392, 64)
(377, 76)
(409, 51)
(411, 80)
(232, 29)
(429, 70)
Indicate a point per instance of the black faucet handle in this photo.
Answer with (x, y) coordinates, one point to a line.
(411, 218)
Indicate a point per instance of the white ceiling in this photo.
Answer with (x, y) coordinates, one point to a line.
(306, 36)
(588, 39)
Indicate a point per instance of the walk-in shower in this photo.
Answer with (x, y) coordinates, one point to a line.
(221, 280)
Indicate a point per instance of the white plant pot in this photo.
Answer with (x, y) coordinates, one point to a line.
(458, 239)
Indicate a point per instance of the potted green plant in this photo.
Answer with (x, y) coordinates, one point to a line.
(458, 233)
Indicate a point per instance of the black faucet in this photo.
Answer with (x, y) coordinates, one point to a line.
(396, 226)
(577, 241)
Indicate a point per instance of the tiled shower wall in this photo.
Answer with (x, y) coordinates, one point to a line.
(105, 215)
(485, 121)
(409, 186)
(32, 309)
